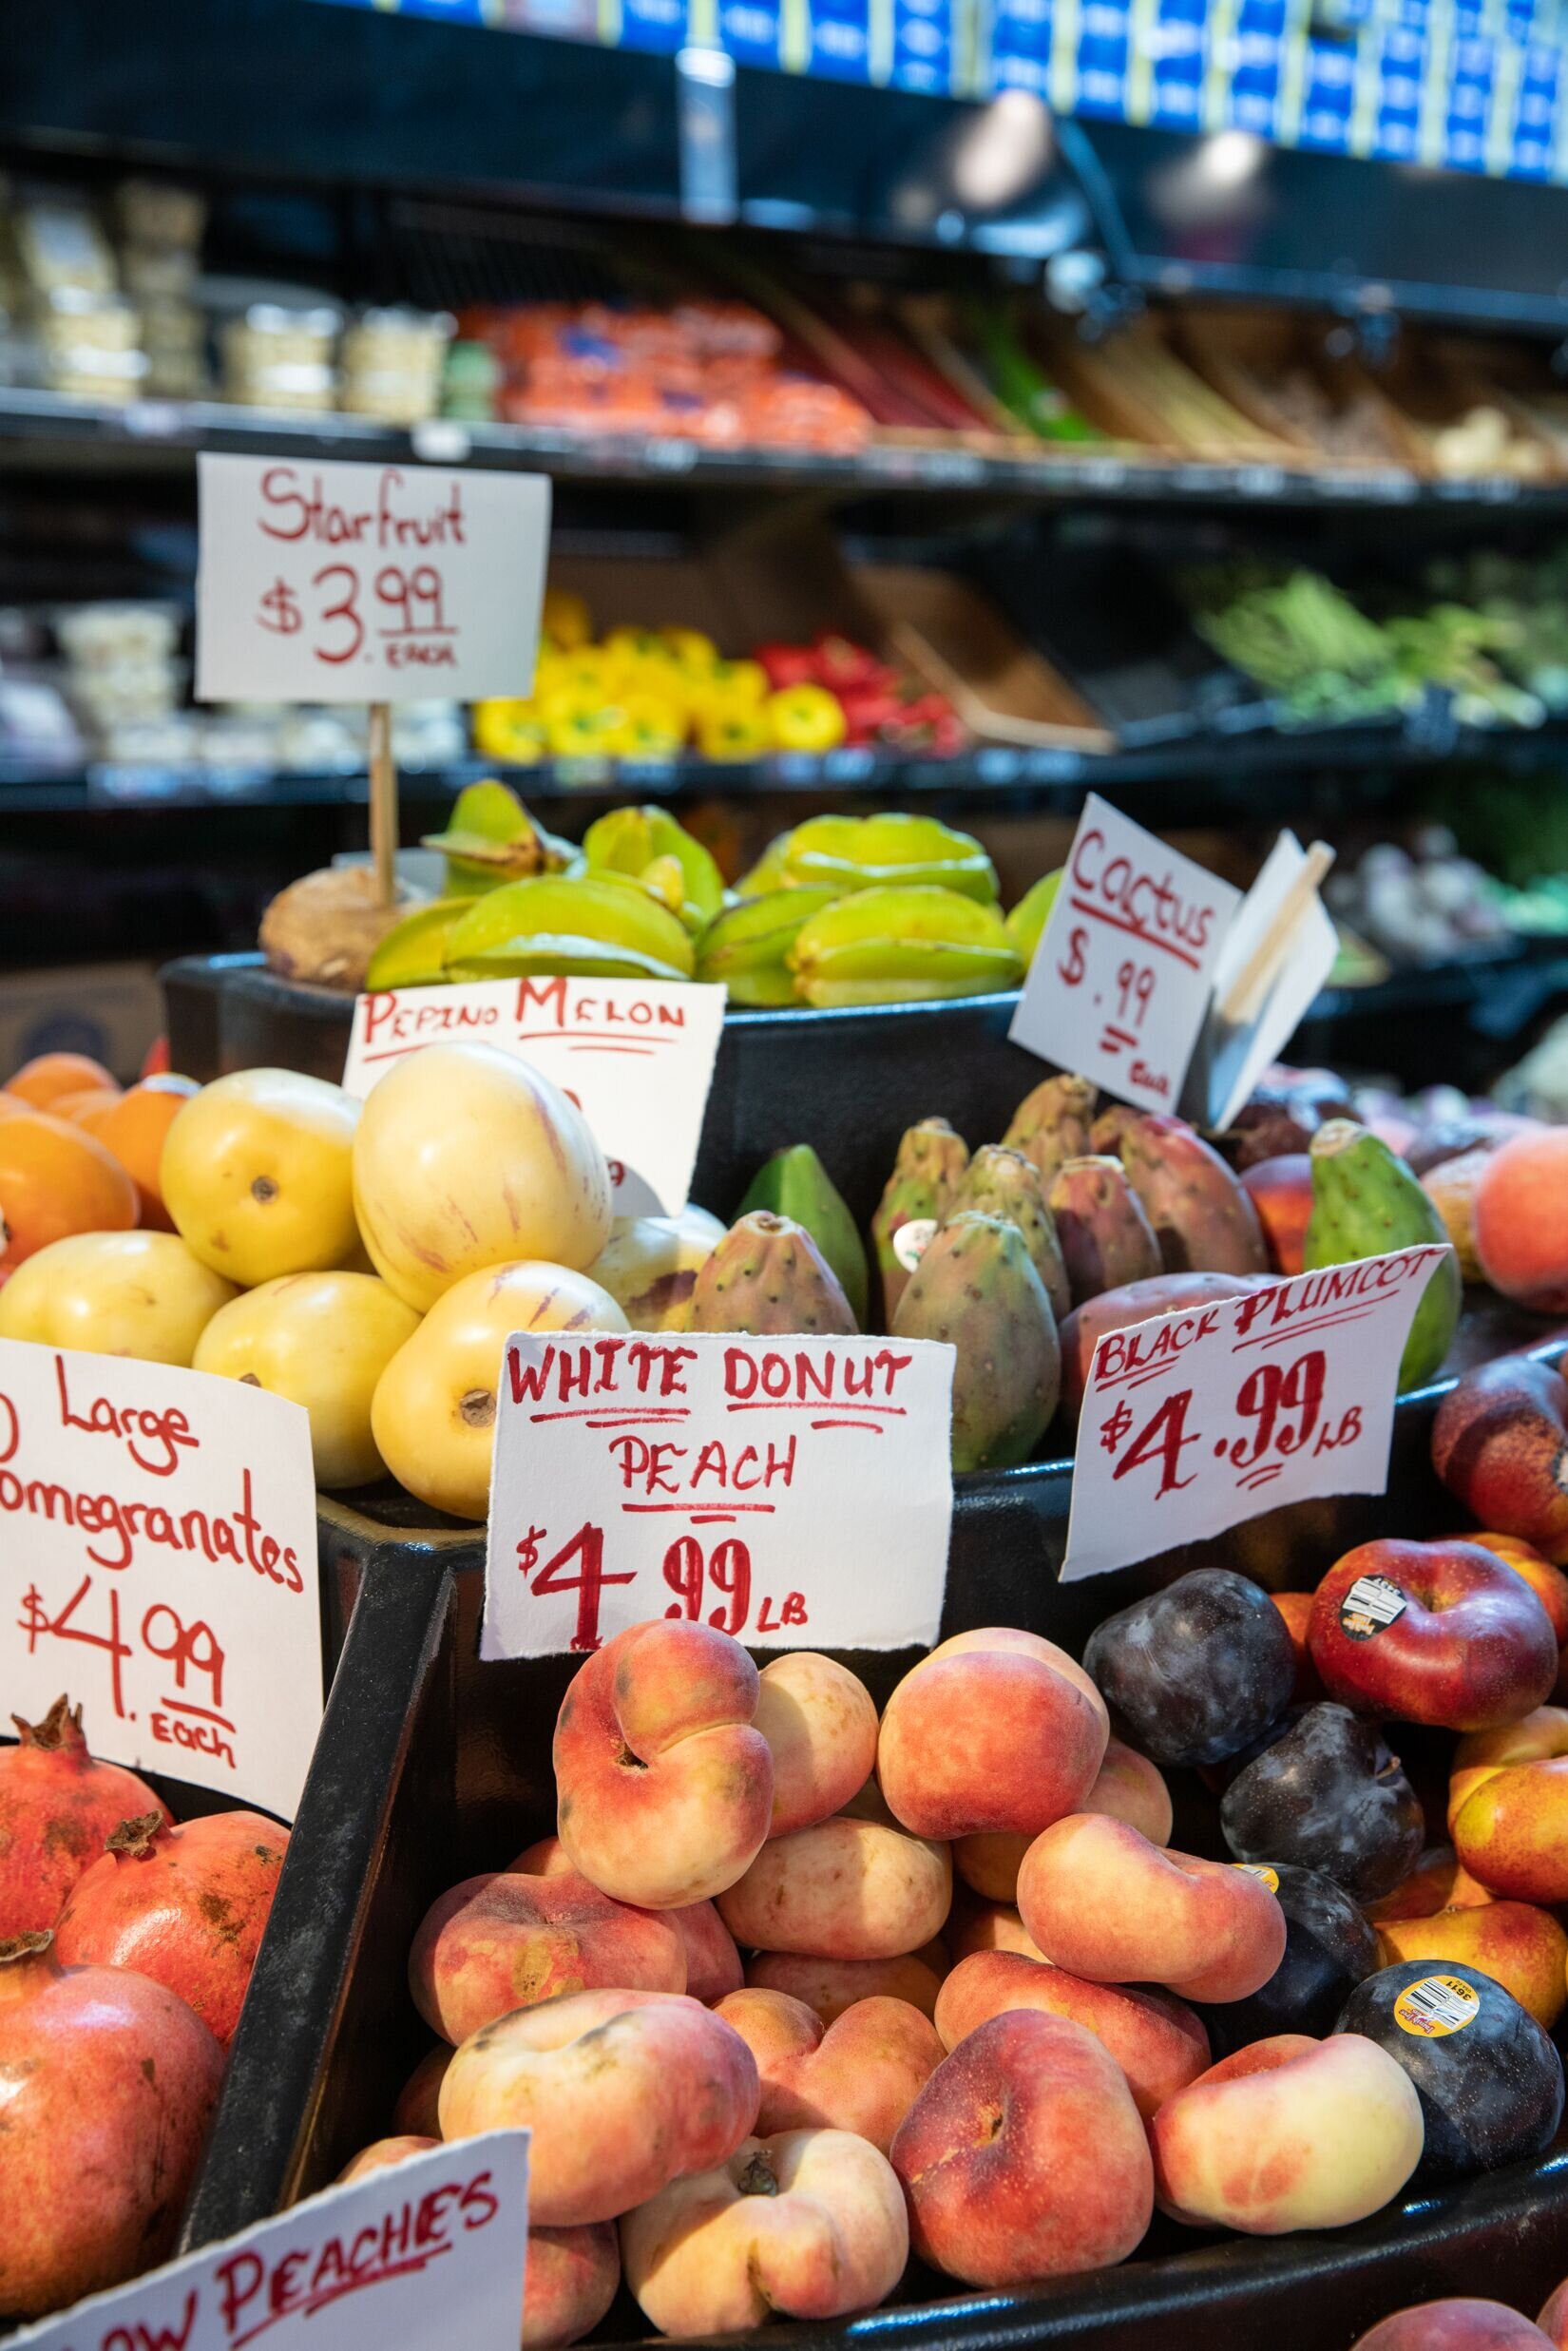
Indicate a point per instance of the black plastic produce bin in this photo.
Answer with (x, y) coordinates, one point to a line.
(851, 1081)
(431, 1766)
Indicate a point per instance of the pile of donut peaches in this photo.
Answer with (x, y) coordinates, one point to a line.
(793, 1991)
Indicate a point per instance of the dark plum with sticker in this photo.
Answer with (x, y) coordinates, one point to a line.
(1489, 2081)
(1327, 1795)
(1197, 1671)
(1330, 1948)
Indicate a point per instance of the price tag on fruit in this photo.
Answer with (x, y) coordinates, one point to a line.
(423, 2254)
(1195, 1421)
(1120, 982)
(796, 1492)
(159, 1526)
(366, 584)
(636, 1057)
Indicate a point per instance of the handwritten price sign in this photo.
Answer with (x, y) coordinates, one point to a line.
(636, 1058)
(159, 1526)
(366, 584)
(422, 2255)
(1194, 1422)
(1121, 984)
(795, 1492)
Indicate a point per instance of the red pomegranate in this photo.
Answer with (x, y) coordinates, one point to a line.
(57, 1805)
(184, 1905)
(107, 2083)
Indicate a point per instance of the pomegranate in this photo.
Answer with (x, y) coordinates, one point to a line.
(184, 1905)
(57, 1805)
(107, 2083)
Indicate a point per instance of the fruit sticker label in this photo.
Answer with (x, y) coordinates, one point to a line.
(1121, 984)
(423, 2254)
(1370, 1606)
(795, 1492)
(912, 1240)
(637, 1057)
(1261, 1872)
(1435, 2006)
(158, 1530)
(1194, 1420)
(366, 584)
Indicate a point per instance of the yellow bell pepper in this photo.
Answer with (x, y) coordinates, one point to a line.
(566, 618)
(804, 719)
(739, 731)
(512, 730)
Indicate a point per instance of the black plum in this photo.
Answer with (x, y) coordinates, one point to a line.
(1328, 1796)
(1328, 1948)
(1197, 1671)
(1489, 2081)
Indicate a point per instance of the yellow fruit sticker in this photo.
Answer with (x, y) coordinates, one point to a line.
(1435, 2006)
(1263, 1873)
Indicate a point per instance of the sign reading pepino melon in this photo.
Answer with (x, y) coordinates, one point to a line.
(1194, 1420)
(425, 2254)
(343, 583)
(1121, 984)
(637, 1057)
(795, 1492)
(158, 1530)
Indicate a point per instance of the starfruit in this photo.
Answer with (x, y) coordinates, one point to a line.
(634, 841)
(1028, 920)
(491, 838)
(770, 870)
(893, 946)
(745, 946)
(873, 852)
(414, 955)
(594, 927)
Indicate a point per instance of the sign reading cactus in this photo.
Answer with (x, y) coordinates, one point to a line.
(1122, 982)
(794, 1491)
(1196, 1419)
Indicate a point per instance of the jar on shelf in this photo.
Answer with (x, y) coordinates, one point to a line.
(393, 364)
(276, 358)
(90, 346)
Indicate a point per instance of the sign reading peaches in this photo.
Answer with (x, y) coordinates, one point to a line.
(636, 1057)
(159, 1533)
(1197, 1420)
(424, 2254)
(346, 583)
(795, 1492)
(1121, 984)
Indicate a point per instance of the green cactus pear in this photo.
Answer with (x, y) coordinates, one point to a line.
(1000, 1182)
(1052, 1124)
(1106, 1239)
(795, 1183)
(930, 1163)
(1365, 1203)
(976, 1287)
(768, 1276)
(1203, 1220)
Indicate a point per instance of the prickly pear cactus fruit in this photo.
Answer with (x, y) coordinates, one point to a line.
(976, 1287)
(1202, 1219)
(768, 1276)
(1108, 1129)
(1106, 1239)
(795, 1183)
(929, 1166)
(1052, 1124)
(1365, 1201)
(999, 1182)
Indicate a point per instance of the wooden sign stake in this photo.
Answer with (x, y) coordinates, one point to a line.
(384, 827)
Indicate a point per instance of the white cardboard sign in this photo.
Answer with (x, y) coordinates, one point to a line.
(425, 2254)
(636, 1057)
(341, 582)
(1120, 982)
(158, 1541)
(1195, 1421)
(1230, 1060)
(795, 1492)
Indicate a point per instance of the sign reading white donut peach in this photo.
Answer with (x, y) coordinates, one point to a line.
(795, 1492)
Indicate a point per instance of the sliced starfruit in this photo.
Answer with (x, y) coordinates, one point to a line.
(892, 944)
(414, 955)
(630, 840)
(746, 945)
(871, 852)
(1028, 920)
(489, 839)
(613, 913)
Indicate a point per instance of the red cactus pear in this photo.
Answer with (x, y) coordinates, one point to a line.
(1052, 1123)
(1106, 1239)
(1203, 1220)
